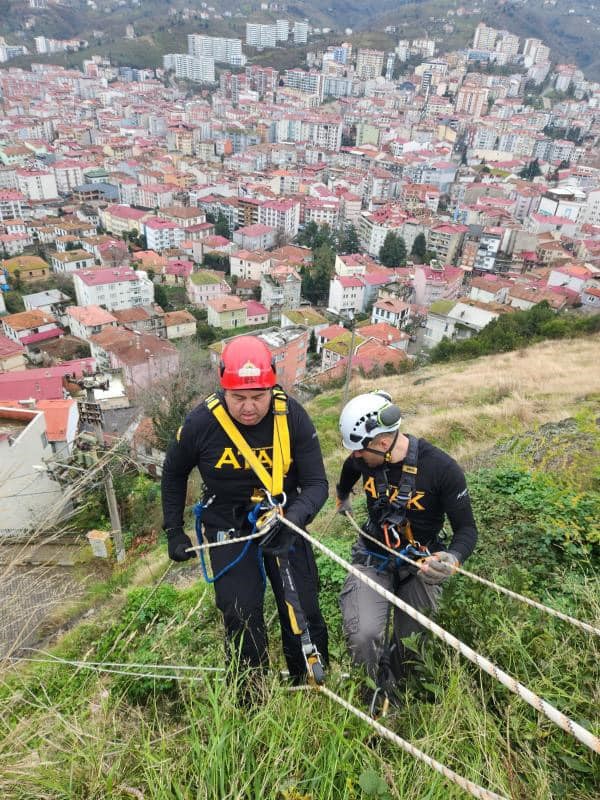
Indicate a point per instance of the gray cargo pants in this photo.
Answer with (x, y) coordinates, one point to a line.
(364, 612)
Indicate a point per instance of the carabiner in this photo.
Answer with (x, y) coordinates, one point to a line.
(271, 501)
(397, 541)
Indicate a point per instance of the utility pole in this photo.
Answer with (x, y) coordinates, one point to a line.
(349, 365)
(350, 323)
(92, 414)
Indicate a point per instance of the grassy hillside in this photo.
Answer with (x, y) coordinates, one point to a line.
(526, 426)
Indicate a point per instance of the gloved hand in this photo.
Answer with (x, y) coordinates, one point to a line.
(343, 505)
(439, 566)
(278, 541)
(178, 543)
(278, 538)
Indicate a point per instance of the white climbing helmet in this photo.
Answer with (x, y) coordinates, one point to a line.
(366, 416)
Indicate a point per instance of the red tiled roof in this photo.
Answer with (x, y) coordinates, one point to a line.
(90, 315)
(8, 347)
(42, 336)
(99, 277)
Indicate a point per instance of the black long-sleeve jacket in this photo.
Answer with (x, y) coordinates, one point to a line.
(440, 490)
(203, 443)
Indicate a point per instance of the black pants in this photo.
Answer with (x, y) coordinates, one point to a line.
(240, 598)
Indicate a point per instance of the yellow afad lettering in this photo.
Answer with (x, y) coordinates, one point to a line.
(228, 457)
(263, 458)
(369, 487)
(414, 502)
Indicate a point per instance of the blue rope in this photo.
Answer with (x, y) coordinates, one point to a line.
(409, 551)
(385, 560)
(198, 509)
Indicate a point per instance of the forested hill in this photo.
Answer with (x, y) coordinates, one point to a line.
(570, 27)
(525, 424)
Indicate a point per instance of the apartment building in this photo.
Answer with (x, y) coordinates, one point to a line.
(261, 36)
(192, 68)
(161, 234)
(219, 48)
(369, 63)
(37, 184)
(113, 288)
(283, 215)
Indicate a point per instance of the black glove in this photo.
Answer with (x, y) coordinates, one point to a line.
(178, 544)
(278, 540)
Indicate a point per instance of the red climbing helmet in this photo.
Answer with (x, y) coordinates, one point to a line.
(247, 363)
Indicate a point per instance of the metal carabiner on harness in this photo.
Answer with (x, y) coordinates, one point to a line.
(281, 500)
(380, 704)
(415, 552)
(394, 543)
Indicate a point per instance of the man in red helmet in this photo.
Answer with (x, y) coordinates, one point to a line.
(255, 449)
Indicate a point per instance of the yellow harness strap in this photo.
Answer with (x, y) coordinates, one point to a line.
(281, 441)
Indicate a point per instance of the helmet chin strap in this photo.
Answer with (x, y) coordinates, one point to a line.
(387, 454)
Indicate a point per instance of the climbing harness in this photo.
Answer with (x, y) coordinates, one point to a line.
(390, 507)
(272, 484)
(266, 514)
(281, 435)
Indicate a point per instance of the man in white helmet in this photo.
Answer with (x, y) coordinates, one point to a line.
(410, 487)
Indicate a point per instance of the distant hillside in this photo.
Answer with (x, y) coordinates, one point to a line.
(572, 37)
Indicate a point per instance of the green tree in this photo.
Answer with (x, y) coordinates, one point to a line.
(419, 248)
(161, 297)
(222, 226)
(531, 171)
(315, 281)
(312, 344)
(15, 281)
(218, 261)
(306, 237)
(393, 251)
(348, 240)
(14, 302)
(314, 236)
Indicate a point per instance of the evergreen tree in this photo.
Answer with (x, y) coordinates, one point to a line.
(348, 240)
(315, 280)
(419, 248)
(222, 226)
(161, 297)
(393, 251)
(531, 171)
(306, 237)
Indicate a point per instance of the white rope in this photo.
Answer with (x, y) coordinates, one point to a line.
(585, 626)
(95, 668)
(125, 664)
(541, 705)
(464, 783)
(210, 545)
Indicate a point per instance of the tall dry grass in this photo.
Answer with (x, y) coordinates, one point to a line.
(495, 395)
